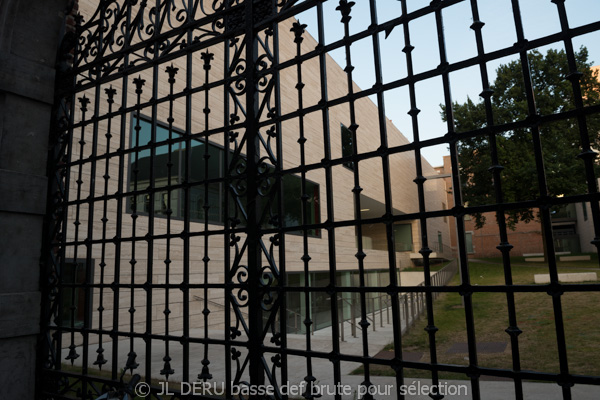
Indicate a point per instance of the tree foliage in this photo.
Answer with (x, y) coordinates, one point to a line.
(560, 140)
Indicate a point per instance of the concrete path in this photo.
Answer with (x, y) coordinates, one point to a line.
(322, 368)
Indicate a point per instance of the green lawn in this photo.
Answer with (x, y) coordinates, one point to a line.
(535, 316)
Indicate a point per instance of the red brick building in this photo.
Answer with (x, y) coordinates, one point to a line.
(526, 237)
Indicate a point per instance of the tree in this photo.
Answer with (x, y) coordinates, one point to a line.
(560, 140)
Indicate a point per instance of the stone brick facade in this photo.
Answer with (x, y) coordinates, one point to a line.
(402, 174)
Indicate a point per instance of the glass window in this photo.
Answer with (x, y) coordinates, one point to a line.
(403, 237)
(292, 203)
(169, 169)
(320, 301)
(206, 163)
(166, 166)
(295, 304)
(347, 146)
(469, 242)
(73, 298)
(585, 214)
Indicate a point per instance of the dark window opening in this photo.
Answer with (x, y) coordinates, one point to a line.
(292, 203)
(469, 242)
(74, 298)
(347, 146)
(403, 237)
(319, 302)
(169, 170)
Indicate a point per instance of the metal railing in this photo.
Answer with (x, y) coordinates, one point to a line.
(412, 304)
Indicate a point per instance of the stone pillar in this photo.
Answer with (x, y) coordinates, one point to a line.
(29, 34)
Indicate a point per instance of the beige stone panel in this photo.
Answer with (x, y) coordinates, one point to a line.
(401, 166)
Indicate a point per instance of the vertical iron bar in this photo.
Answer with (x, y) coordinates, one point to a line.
(466, 291)
(496, 169)
(226, 219)
(299, 30)
(282, 281)
(72, 356)
(555, 290)
(139, 83)
(152, 196)
(207, 57)
(120, 199)
(387, 187)
(254, 232)
(167, 370)
(332, 292)
(345, 9)
(88, 291)
(100, 361)
(186, 207)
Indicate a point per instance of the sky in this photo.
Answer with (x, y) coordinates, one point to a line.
(540, 18)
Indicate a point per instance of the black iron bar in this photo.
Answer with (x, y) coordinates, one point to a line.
(496, 169)
(207, 58)
(299, 29)
(227, 293)
(185, 235)
(331, 245)
(464, 267)
(420, 180)
(360, 255)
(545, 215)
(151, 210)
(167, 369)
(256, 369)
(279, 237)
(119, 217)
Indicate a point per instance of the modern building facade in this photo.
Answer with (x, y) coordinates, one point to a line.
(161, 153)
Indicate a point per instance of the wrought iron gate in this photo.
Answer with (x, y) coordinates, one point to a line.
(196, 167)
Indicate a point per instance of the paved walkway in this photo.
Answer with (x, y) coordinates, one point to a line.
(323, 369)
(321, 341)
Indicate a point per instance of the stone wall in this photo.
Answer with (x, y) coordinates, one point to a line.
(29, 33)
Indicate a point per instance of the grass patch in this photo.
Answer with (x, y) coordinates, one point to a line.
(535, 317)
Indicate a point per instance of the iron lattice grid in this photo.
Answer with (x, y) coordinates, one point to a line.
(101, 86)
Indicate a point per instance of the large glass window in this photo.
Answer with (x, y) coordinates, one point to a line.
(169, 170)
(292, 203)
(320, 302)
(403, 237)
(166, 166)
